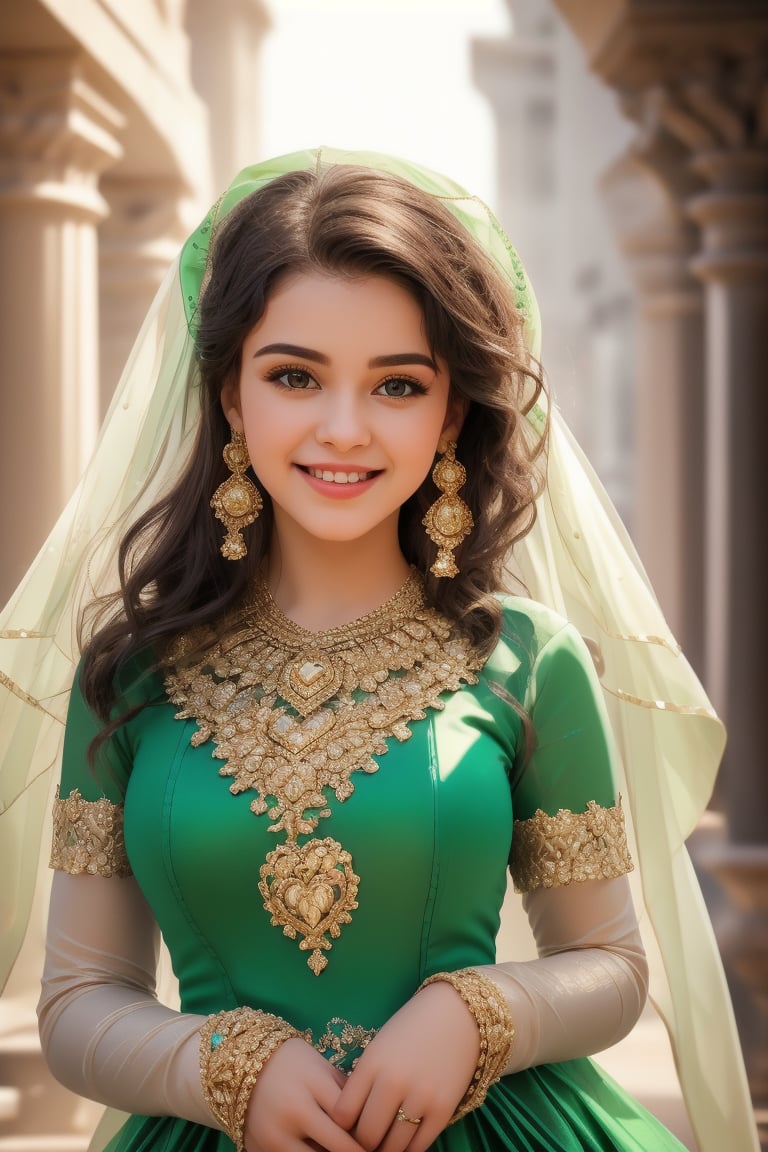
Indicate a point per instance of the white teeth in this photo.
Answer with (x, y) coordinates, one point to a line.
(338, 477)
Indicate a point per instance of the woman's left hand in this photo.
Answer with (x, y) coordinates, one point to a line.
(419, 1066)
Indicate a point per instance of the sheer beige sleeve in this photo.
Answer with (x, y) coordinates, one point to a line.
(103, 1032)
(588, 986)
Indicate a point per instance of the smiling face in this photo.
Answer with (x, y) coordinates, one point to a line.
(342, 405)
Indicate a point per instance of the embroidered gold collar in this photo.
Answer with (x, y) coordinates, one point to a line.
(294, 713)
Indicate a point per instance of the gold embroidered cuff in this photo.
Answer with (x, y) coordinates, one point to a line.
(234, 1047)
(548, 851)
(88, 837)
(497, 1032)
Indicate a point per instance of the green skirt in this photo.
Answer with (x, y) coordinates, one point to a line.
(570, 1107)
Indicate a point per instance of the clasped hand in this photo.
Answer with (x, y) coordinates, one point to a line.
(420, 1063)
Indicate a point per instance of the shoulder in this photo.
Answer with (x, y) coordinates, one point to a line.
(529, 628)
(538, 623)
(535, 639)
(137, 681)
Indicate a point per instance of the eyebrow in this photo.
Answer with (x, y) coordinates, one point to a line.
(402, 358)
(392, 361)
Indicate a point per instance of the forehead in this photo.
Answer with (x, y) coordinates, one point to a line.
(328, 305)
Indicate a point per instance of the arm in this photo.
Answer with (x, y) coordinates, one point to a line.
(103, 1032)
(569, 859)
(583, 993)
(587, 986)
(105, 1036)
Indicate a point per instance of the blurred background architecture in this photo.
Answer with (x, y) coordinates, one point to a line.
(632, 166)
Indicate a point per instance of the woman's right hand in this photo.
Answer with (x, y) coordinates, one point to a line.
(291, 1102)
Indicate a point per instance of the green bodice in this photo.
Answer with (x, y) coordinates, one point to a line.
(429, 834)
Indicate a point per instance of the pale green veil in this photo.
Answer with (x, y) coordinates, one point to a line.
(577, 559)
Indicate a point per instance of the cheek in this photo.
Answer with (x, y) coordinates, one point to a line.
(261, 419)
(421, 436)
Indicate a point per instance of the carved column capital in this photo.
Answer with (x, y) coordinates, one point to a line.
(148, 222)
(57, 135)
(645, 191)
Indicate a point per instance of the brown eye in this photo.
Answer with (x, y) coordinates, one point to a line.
(293, 379)
(398, 387)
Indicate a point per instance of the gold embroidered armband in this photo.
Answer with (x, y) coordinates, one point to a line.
(548, 851)
(495, 1026)
(234, 1047)
(88, 837)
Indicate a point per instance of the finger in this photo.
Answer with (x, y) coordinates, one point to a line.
(404, 1131)
(330, 1136)
(378, 1117)
(326, 1090)
(352, 1098)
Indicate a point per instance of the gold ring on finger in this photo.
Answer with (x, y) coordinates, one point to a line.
(408, 1119)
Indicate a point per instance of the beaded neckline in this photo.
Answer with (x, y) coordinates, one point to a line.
(271, 619)
(294, 714)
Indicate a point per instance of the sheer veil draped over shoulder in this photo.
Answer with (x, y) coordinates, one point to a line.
(577, 559)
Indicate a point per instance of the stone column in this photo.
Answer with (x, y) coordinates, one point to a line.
(147, 223)
(555, 130)
(645, 191)
(733, 265)
(57, 134)
(225, 41)
(518, 75)
(699, 73)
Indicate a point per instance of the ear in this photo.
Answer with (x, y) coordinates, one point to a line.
(230, 402)
(454, 419)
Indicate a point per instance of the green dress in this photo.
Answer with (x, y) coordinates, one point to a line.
(429, 835)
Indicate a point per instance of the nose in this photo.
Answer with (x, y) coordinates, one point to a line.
(342, 423)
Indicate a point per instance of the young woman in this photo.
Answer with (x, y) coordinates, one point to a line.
(310, 731)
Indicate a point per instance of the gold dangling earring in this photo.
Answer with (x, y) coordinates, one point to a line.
(449, 519)
(236, 502)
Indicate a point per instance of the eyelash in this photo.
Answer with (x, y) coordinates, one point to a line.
(417, 388)
(275, 376)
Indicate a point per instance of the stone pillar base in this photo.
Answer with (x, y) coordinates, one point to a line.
(741, 924)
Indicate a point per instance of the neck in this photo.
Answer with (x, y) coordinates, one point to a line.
(323, 584)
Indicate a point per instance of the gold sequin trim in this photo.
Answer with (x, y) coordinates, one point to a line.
(663, 705)
(17, 690)
(88, 837)
(294, 713)
(646, 638)
(548, 851)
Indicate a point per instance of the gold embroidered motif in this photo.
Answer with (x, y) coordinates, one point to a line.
(310, 889)
(294, 713)
(88, 837)
(548, 851)
(344, 1043)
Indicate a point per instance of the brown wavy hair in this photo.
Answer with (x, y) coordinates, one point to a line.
(356, 221)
